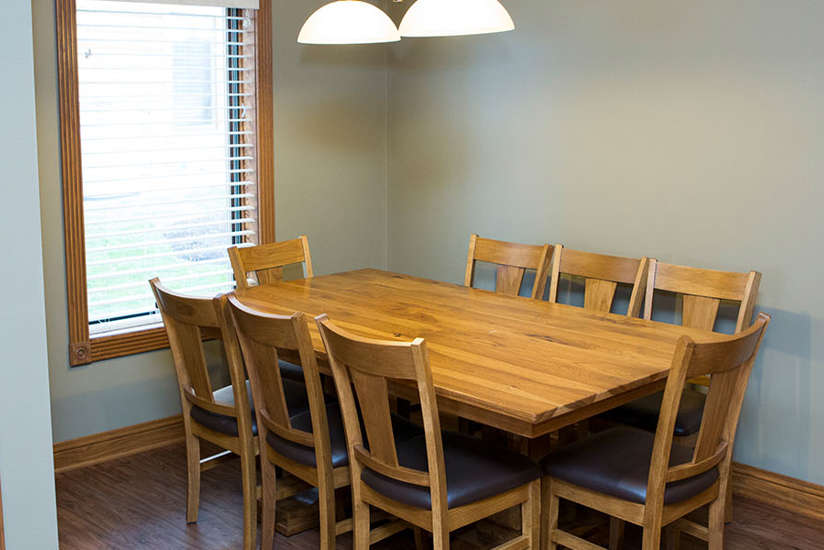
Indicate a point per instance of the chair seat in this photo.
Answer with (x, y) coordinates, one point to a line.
(296, 400)
(404, 430)
(643, 413)
(291, 371)
(617, 461)
(474, 471)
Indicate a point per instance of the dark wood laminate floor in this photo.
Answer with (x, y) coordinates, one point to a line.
(138, 503)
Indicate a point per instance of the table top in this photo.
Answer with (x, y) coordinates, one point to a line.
(525, 366)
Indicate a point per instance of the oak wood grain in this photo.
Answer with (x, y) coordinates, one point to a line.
(524, 366)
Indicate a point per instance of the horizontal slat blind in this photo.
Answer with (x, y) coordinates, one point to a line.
(248, 4)
(166, 96)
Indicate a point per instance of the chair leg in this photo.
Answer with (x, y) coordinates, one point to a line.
(728, 507)
(326, 505)
(360, 517)
(616, 533)
(249, 479)
(716, 523)
(269, 490)
(549, 514)
(440, 538)
(673, 537)
(531, 516)
(418, 538)
(652, 538)
(193, 478)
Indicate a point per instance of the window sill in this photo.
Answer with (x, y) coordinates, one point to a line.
(119, 345)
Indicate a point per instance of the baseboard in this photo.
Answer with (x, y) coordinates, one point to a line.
(105, 446)
(787, 493)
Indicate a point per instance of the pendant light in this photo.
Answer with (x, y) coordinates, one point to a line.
(455, 18)
(348, 22)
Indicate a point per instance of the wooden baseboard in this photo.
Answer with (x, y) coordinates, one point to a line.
(105, 446)
(794, 495)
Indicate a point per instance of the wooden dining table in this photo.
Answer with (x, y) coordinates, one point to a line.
(524, 366)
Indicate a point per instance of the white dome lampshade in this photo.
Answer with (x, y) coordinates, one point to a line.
(455, 18)
(348, 22)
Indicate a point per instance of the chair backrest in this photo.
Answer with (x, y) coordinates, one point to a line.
(728, 363)
(263, 338)
(369, 366)
(512, 260)
(702, 291)
(602, 275)
(267, 261)
(188, 320)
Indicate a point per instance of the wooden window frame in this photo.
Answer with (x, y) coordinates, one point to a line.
(84, 349)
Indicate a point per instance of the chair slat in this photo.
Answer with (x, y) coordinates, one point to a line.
(699, 311)
(373, 397)
(509, 279)
(599, 294)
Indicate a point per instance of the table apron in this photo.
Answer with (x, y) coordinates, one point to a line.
(525, 428)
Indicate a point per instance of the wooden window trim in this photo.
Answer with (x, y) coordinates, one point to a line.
(82, 348)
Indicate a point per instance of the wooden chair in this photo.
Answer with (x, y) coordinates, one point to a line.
(266, 261)
(311, 445)
(602, 276)
(437, 482)
(298, 443)
(512, 259)
(702, 291)
(646, 479)
(222, 417)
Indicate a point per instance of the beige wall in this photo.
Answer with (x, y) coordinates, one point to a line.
(330, 138)
(686, 131)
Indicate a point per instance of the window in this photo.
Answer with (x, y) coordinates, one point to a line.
(167, 157)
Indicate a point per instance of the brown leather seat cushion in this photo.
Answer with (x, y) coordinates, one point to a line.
(296, 400)
(617, 461)
(643, 413)
(403, 430)
(474, 471)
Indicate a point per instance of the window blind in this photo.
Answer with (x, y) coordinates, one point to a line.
(248, 4)
(166, 99)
